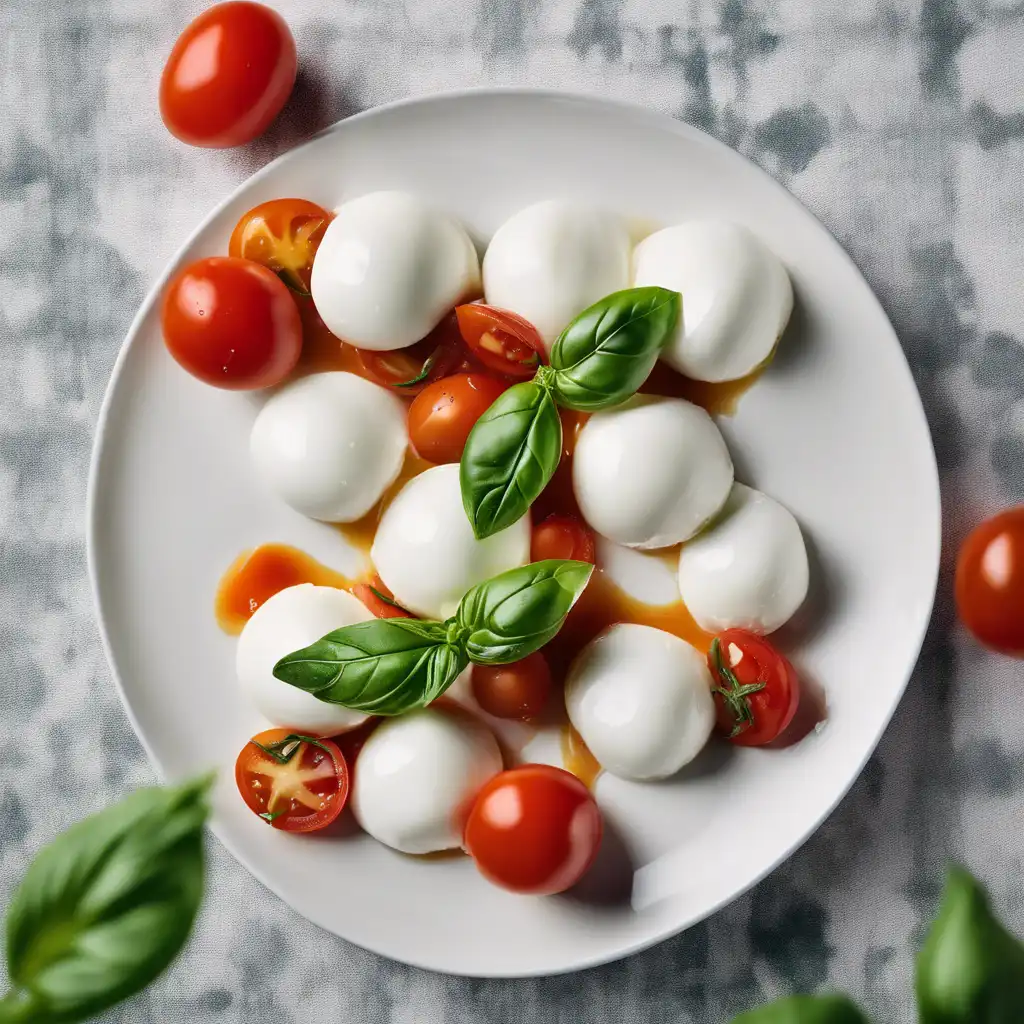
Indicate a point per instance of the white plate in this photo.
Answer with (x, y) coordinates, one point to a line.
(835, 430)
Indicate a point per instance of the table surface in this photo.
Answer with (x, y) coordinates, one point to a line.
(900, 123)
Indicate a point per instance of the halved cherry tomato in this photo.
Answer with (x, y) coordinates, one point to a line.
(756, 688)
(283, 235)
(443, 413)
(501, 340)
(534, 829)
(990, 582)
(411, 369)
(232, 323)
(228, 76)
(378, 600)
(295, 783)
(518, 691)
(561, 536)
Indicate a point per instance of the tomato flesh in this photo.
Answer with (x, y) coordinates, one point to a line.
(412, 369)
(501, 340)
(560, 536)
(444, 412)
(517, 691)
(378, 600)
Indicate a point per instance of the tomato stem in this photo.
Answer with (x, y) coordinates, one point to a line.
(387, 600)
(284, 750)
(734, 693)
(428, 365)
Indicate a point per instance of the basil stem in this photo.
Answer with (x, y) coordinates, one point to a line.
(805, 1010)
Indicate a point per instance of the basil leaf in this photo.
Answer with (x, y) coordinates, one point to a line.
(606, 353)
(106, 906)
(805, 1010)
(380, 667)
(518, 612)
(510, 456)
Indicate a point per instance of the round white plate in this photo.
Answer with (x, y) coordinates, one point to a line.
(835, 430)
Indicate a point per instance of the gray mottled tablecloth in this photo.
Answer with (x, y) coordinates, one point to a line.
(900, 123)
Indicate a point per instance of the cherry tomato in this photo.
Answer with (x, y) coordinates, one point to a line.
(282, 234)
(378, 600)
(756, 688)
(990, 582)
(534, 829)
(232, 323)
(502, 341)
(411, 369)
(295, 783)
(562, 537)
(443, 413)
(518, 691)
(228, 76)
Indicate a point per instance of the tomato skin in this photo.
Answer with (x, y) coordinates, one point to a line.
(534, 829)
(990, 582)
(232, 324)
(560, 536)
(229, 74)
(380, 608)
(753, 661)
(325, 780)
(518, 691)
(443, 413)
(503, 341)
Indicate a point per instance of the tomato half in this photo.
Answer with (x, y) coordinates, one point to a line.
(294, 783)
(534, 829)
(378, 600)
(518, 691)
(990, 582)
(756, 688)
(232, 323)
(501, 340)
(411, 369)
(283, 235)
(228, 76)
(561, 536)
(443, 413)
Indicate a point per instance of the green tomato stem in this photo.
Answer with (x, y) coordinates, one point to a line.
(734, 693)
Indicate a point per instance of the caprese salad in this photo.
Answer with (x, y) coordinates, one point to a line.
(491, 433)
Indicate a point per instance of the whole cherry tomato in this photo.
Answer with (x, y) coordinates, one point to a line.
(228, 76)
(443, 413)
(232, 323)
(518, 690)
(501, 340)
(561, 536)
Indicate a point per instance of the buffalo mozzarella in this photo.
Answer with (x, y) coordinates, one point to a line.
(425, 550)
(290, 620)
(737, 296)
(416, 776)
(650, 472)
(641, 700)
(330, 444)
(552, 260)
(748, 569)
(389, 268)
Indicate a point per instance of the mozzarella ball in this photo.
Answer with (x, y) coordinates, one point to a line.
(737, 296)
(330, 444)
(416, 777)
(650, 472)
(748, 569)
(552, 260)
(641, 700)
(388, 269)
(425, 551)
(290, 620)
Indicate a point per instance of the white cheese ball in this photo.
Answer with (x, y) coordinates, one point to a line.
(748, 569)
(737, 296)
(290, 620)
(416, 777)
(330, 444)
(425, 551)
(641, 700)
(388, 269)
(552, 260)
(650, 472)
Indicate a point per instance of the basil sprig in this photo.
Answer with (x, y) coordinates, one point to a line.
(598, 361)
(390, 666)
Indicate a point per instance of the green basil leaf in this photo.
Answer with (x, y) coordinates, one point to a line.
(805, 1010)
(971, 969)
(510, 456)
(106, 906)
(606, 353)
(518, 612)
(380, 667)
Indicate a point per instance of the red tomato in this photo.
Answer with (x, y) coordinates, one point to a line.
(562, 537)
(283, 235)
(534, 829)
(756, 688)
(502, 341)
(990, 582)
(295, 783)
(411, 369)
(443, 413)
(228, 76)
(232, 323)
(518, 691)
(378, 600)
